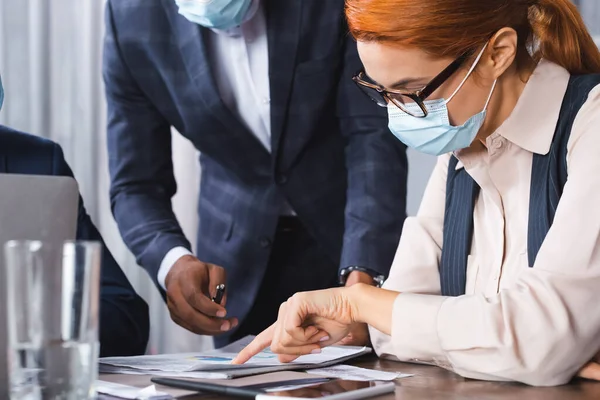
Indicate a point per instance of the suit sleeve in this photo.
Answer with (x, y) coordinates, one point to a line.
(377, 174)
(140, 162)
(124, 320)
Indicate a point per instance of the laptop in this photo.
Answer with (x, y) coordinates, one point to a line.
(32, 208)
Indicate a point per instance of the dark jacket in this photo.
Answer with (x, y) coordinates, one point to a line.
(333, 158)
(124, 321)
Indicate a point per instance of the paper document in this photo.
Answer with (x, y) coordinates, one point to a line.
(223, 357)
(351, 373)
(216, 364)
(130, 392)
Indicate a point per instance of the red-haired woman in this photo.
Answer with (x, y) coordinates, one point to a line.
(498, 276)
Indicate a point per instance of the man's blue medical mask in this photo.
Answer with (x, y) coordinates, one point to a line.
(434, 134)
(215, 14)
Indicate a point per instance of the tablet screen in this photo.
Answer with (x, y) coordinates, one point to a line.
(326, 389)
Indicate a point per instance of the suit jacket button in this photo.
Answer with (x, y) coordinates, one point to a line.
(282, 179)
(265, 242)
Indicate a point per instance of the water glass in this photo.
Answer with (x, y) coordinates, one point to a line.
(52, 309)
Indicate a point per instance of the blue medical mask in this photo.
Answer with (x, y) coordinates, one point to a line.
(434, 134)
(1, 93)
(215, 14)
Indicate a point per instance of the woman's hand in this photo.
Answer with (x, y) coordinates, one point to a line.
(358, 336)
(306, 322)
(591, 370)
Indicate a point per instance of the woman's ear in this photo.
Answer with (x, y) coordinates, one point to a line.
(500, 53)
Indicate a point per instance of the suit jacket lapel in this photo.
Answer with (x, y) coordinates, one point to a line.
(283, 30)
(191, 40)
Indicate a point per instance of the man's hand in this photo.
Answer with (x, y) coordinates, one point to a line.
(359, 333)
(191, 284)
(591, 370)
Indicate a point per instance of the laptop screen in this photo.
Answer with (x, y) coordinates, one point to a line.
(32, 208)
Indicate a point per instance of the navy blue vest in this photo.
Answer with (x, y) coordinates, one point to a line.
(548, 177)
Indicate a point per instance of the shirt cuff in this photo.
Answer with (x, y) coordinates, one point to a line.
(414, 327)
(167, 263)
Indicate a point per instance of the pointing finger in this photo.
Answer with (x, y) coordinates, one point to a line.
(261, 342)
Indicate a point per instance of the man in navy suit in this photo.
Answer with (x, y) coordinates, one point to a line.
(302, 185)
(124, 321)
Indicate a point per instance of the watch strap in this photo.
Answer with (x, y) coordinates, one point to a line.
(378, 278)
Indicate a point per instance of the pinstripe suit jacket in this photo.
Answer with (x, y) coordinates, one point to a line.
(333, 158)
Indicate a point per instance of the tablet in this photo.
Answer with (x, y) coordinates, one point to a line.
(337, 389)
(333, 390)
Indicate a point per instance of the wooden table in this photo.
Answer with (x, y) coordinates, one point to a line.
(432, 383)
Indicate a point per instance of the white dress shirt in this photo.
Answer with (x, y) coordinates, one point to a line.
(240, 63)
(535, 325)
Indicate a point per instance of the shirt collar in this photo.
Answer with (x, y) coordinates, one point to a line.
(532, 123)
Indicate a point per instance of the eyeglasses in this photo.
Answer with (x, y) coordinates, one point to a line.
(400, 99)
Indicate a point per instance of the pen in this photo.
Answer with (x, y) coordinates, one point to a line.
(220, 293)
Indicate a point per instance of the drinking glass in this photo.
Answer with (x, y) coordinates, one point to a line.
(52, 311)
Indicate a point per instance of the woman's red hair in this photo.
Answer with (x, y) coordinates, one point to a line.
(550, 29)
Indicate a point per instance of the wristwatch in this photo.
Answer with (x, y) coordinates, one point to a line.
(378, 278)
